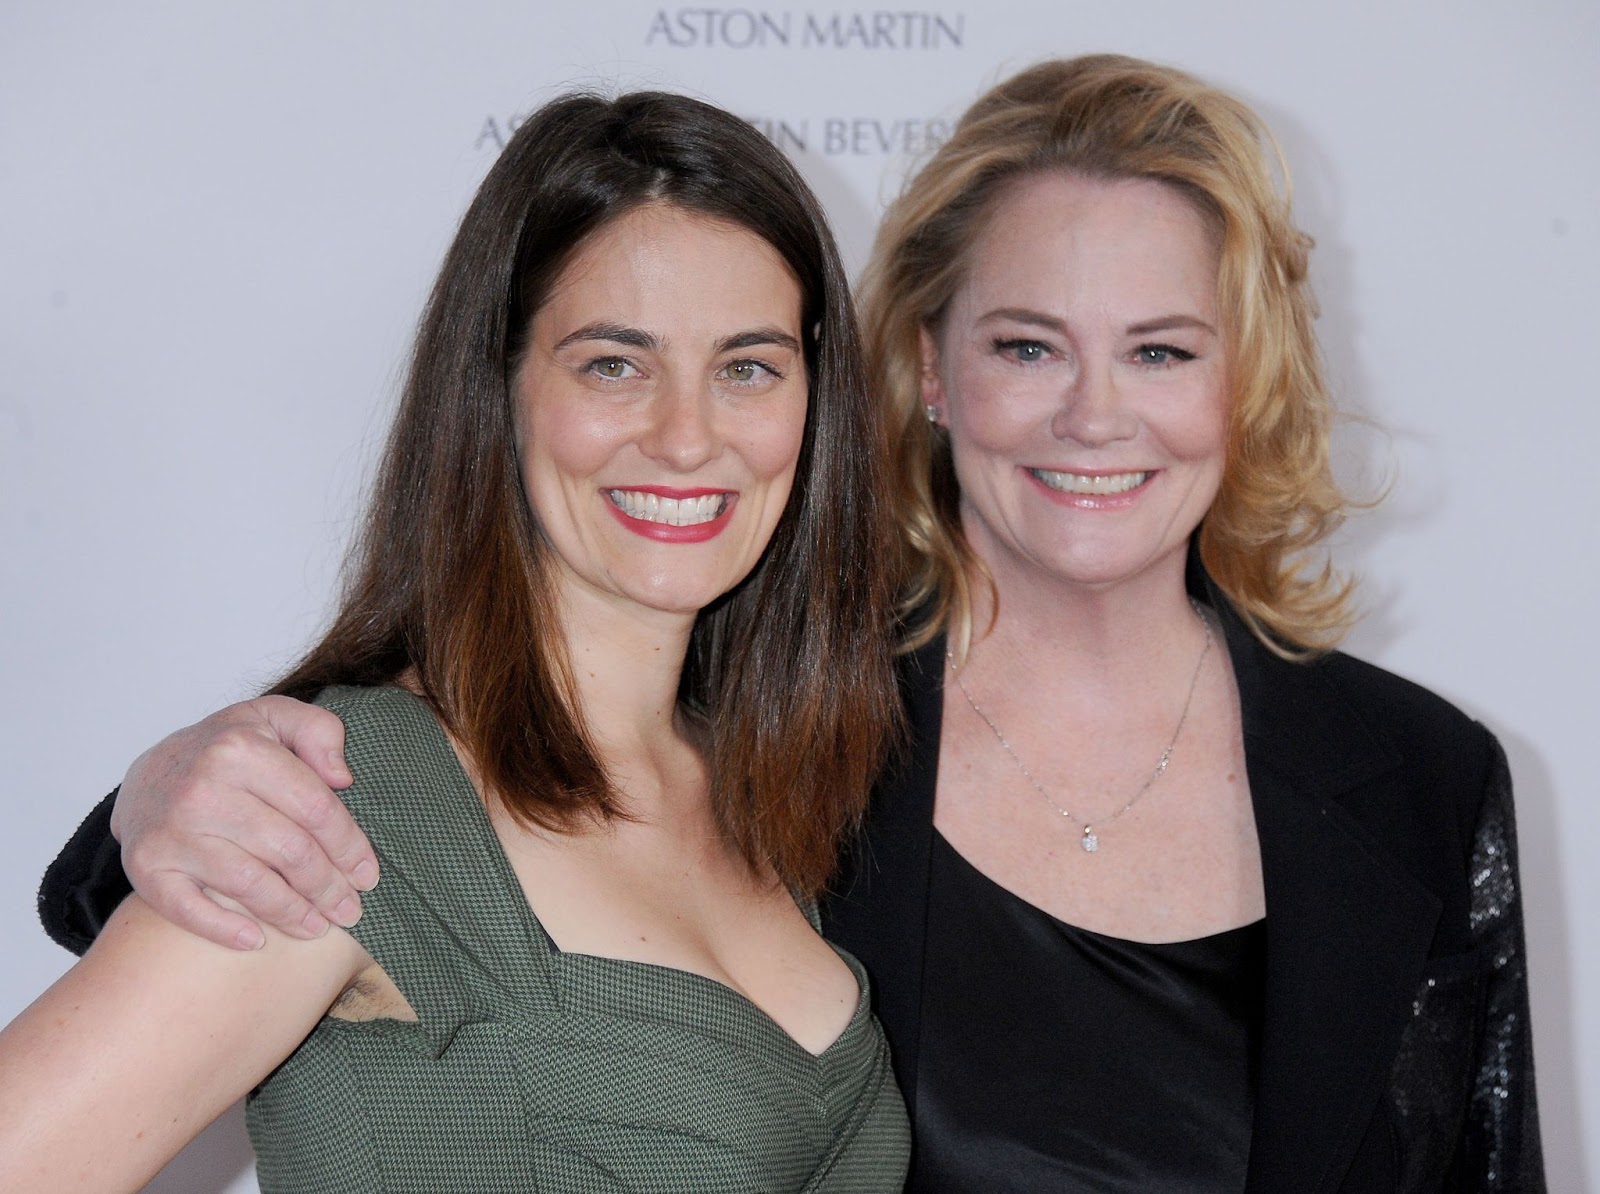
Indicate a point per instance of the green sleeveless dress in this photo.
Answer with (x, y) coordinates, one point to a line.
(531, 1069)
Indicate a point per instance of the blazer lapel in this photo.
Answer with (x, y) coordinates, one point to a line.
(1348, 928)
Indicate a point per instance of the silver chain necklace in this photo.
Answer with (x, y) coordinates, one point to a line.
(1089, 839)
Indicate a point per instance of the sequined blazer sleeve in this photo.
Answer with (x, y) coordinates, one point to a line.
(1501, 1151)
(1462, 1107)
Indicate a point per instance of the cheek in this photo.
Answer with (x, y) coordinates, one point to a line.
(770, 445)
(1204, 436)
(559, 451)
(559, 442)
(989, 411)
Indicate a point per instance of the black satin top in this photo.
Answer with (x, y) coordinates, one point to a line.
(1057, 1059)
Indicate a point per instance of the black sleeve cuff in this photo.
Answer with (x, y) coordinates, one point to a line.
(85, 883)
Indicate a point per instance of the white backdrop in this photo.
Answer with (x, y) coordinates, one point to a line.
(217, 224)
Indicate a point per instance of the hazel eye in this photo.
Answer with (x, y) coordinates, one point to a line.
(749, 372)
(611, 368)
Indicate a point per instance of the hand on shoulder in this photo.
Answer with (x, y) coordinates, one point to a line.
(241, 805)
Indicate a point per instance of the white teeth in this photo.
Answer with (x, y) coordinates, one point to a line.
(677, 512)
(1091, 486)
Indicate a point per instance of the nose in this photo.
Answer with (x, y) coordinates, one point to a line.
(682, 431)
(1092, 410)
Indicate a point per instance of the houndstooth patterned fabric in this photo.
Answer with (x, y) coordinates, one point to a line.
(529, 1069)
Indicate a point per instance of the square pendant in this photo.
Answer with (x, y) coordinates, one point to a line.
(1089, 841)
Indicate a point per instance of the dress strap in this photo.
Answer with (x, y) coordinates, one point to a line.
(448, 921)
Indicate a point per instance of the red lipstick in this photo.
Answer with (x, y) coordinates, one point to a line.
(665, 532)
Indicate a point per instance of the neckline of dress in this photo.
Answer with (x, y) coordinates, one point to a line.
(1229, 938)
(576, 962)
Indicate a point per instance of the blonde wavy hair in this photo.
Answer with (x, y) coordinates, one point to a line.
(1113, 117)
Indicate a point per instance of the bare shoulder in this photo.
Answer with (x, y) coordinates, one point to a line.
(146, 1040)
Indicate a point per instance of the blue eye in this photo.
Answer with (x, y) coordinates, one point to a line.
(1025, 351)
(1161, 354)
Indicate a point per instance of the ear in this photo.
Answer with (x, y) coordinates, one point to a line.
(932, 383)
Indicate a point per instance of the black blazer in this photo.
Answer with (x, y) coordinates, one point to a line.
(1395, 1053)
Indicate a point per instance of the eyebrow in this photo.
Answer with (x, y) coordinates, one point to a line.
(1168, 322)
(611, 333)
(1023, 315)
(757, 337)
(1165, 323)
(617, 333)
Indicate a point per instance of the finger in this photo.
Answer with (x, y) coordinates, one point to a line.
(281, 853)
(241, 784)
(316, 737)
(264, 892)
(229, 777)
(314, 734)
(183, 902)
(233, 840)
(260, 856)
(218, 869)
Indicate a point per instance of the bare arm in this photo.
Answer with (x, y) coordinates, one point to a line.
(147, 1040)
(241, 805)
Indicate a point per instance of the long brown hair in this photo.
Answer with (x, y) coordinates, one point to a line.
(790, 674)
(1109, 116)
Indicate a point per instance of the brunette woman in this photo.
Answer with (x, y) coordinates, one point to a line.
(614, 674)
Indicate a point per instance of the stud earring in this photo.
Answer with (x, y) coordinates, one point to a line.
(933, 412)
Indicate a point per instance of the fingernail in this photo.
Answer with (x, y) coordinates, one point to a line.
(249, 937)
(366, 875)
(336, 765)
(315, 923)
(347, 912)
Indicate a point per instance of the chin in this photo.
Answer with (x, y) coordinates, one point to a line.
(674, 599)
(1104, 570)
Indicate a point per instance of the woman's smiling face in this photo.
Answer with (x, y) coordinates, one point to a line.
(661, 406)
(1080, 371)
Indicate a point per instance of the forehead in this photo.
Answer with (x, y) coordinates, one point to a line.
(665, 269)
(1057, 240)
